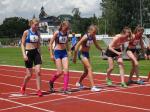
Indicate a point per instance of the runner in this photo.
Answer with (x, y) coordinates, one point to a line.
(30, 45)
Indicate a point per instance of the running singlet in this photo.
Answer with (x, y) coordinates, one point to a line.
(32, 37)
(134, 42)
(62, 39)
(89, 41)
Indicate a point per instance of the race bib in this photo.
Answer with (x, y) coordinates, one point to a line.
(89, 42)
(34, 38)
(63, 39)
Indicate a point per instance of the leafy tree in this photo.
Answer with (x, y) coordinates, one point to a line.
(120, 13)
(13, 27)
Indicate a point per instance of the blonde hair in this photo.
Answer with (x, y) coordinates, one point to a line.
(92, 28)
(138, 29)
(33, 21)
(127, 29)
(64, 23)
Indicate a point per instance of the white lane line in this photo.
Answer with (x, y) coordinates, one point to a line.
(138, 94)
(11, 108)
(58, 99)
(114, 104)
(48, 101)
(79, 97)
(76, 71)
(48, 74)
(106, 90)
(45, 110)
(31, 79)
(57, 82)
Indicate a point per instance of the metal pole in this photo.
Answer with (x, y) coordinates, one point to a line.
(105, 27)
(141, 18)
(98, 27)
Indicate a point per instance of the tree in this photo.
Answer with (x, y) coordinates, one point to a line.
(120, 13)
(76, 13)
(13, 27)
(75, 23)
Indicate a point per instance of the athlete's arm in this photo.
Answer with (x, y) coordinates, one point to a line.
(23, 39)
(84, 38)
(39, 43)
(96, 44)
(51, 44)
(142, 45)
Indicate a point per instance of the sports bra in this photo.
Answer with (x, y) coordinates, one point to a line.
(134, 42)
(89, 41)
(61, 38)
(32, 37)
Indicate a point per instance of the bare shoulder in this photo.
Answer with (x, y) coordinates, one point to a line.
(25, 32)
(55, 33)
(85, 36)
(116, 37)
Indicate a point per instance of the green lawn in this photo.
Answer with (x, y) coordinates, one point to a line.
(13, 56)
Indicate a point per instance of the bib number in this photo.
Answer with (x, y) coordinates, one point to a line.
(33, 38)
(89, 43)
(63, 39)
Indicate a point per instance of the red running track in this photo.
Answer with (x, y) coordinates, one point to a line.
(135, 98)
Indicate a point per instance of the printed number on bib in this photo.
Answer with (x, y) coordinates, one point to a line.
(33, 38)
(89, 43)
(63, 39)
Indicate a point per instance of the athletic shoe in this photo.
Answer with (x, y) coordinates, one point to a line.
(109, 82)
(95, 89)
(140, 82)
(124, 85)
(130, 82)
(39, 93)
(80, 85)
(66, 92)
(22, 90)
(51, 87)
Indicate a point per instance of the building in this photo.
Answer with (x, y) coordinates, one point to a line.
(48, 24)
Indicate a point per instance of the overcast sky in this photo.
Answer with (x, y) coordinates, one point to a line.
(26, 8)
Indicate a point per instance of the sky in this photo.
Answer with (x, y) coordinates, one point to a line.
(27, 8)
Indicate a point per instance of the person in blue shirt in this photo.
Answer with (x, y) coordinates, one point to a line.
(73, 44)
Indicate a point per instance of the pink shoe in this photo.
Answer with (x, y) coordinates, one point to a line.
(39, 93)
(22, 90)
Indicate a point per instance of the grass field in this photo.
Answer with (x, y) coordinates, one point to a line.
(13, 56)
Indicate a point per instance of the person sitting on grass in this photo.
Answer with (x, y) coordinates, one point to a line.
(73, 44)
